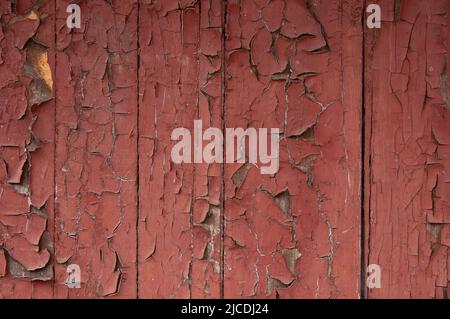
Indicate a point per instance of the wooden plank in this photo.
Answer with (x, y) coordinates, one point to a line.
(223, 230)
(296, 66)
(207, 210)
(26, 144)
(179, 215)
(407, 109)
(96, 154)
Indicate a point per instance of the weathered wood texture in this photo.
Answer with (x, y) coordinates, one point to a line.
(296, 66)
(96, 149)
(407, 142)
(27, 135)
(179, 211)
(86, 176)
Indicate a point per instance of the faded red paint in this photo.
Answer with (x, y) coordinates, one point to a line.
(96, 143)
(26, 145)
(408, 137)
(295, 234)
(86, 176)
(179, 215)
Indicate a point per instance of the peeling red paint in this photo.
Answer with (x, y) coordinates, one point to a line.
(408, 114)
(291, 235)
(26, 145)
(3, 264)
(86, 178)
(26, 254)
(96, 157)
(179, 218)
(36, 226)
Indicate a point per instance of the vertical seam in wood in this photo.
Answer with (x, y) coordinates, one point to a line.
(55, 132)
(223, 115)
(363, 156)
(367, 155)
(138, 206)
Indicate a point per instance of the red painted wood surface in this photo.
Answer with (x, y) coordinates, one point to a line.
(86, 175)
(96, 149)
(407, 190)
(179, 211)
(27, 139)
(295, 234)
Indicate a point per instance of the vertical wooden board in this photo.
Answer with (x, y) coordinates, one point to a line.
(296, 66)
(407, 109)
(207, 203)
(293, 65)
(42, 165)
(26, 149)
(168, 97)
(96, 154)
(179, 215)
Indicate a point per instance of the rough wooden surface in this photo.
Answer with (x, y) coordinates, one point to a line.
(27, 135)
(86, 175)
(179, 211)
(295, 66)
(408, 135)
(96, 149)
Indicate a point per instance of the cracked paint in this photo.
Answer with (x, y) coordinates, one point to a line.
(407, 211)
(290, 235)
(26, 144)
(86, 176)
(96, 142)
(180, 214)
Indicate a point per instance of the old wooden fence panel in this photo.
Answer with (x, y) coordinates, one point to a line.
(27, 139)
(295, 66)
(87, 177)
(407, 143)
